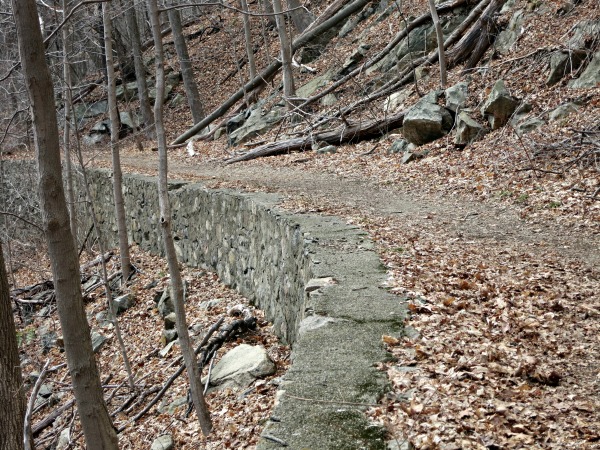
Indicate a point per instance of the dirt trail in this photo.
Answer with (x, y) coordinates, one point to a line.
(454, 217)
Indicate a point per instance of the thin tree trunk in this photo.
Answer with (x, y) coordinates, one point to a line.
(140, 69)
(114, 137)
(112, 313)
(289, 90)
(187, 350)
(440, 43)
(95, 420)
(67, 126)
(248, 39)
(187, 71)
(12, 395)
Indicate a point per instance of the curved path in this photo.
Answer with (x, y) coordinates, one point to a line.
(458, 216)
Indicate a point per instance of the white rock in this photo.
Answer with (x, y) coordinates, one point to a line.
(164, 442)
(241, 366)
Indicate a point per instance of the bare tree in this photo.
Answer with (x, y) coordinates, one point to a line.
(440, 43)
(187, 350)
(248, 39)
(12, 397)
(93, 414)
(67, 125)
(140, 69)
(289, 90)
(187, 71)
(115, 125)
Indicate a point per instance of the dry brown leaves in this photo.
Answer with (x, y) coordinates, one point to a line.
(504, 351)
(238, 416)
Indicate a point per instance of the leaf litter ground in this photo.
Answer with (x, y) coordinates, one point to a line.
(495, 246)
(238, 415)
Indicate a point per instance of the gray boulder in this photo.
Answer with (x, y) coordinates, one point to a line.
(165, 304)
(170, 321)
(255, 123)
(396, 100)
(87, 110)
(562, 111)
(241, 366)
(590, 77)
(326, 149)
(563, 63)
(499, 106)
(509, 36)
(164, 442)
(467, 129)
(313, 85)
(63, 439)
(353, 61)
(528, 125)
(401, 146)
(426, 121)
(456, 96)
(123, 303)
(126, 91)
(168, 336)
(98, 341)
(129, 120)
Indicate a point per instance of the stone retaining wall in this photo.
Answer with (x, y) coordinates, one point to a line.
(317, 279)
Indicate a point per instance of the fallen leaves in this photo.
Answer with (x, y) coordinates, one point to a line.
(238, 416)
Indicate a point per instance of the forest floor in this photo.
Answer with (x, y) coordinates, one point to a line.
(496, 246)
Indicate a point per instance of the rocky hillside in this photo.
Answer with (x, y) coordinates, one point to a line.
(516, 122)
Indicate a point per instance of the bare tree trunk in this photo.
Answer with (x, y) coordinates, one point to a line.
(12, 395)
(115, 125)
(187, 71)
(289, 90)
(248, 39)
(67, 126)
(112, 313)
(440, 43)
(95, 420)
(187, 350)
(140, 69)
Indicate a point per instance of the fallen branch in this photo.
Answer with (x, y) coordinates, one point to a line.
(97, 260)
(27, 435)
(344, 134)
(473, 45)
(50, 418)
(179, 371)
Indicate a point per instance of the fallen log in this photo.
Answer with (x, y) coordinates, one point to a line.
(346, 134)
(473, 45)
